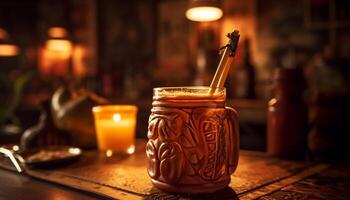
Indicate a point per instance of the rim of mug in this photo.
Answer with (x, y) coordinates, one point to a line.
(113, 108)
(189, 87)
(196, 90)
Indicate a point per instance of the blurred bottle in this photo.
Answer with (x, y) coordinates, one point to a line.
(245, 75)
(287, 114)
(130, 89)
(202, 76)
(107, 83)
(329, 99)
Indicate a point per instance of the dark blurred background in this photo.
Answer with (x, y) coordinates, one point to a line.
(120, 50)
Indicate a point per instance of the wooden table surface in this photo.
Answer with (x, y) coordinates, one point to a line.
(96, 177)
(14, 186)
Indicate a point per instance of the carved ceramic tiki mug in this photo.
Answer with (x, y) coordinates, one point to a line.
(193, 140)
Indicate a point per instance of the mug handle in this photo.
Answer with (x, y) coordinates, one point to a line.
(233, 138)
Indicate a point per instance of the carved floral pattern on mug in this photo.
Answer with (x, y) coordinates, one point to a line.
(190, 142)
(166, 125)
(211, 126)
(153, 161)
(171, 161)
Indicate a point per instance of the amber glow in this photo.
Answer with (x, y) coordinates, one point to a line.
(272, 102)
(115, 128)
(109, 153)
(57, 32)
(204, 13)
(8, 50)
(3, 34)
(116, 117)
(54, 57)
(131, 149)
(79, 56)
(59, 45)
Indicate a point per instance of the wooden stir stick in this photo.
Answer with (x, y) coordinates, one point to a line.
(229, 52)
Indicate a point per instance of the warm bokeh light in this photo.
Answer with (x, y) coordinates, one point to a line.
(204, 13)
(3, 34)
(74, 151)
(54, 57)
(57, 32)
(60, 45)
(8, 50)
(109, 153)
(116, 117)
(131, 149)
(15, 148)
(79, 60)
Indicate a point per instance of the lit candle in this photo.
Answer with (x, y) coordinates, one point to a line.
(115, 128)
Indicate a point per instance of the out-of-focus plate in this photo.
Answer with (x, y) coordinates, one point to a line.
(50, 156)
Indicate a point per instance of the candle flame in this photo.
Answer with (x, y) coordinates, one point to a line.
(116, 117)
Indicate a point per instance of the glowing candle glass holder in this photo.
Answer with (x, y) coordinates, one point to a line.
(115, 128)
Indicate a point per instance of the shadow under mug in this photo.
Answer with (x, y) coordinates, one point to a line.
(193, 141)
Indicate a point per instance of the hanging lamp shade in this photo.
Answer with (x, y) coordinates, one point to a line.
(54, 56)
(58, 41)
(204, 10)
(7, 49)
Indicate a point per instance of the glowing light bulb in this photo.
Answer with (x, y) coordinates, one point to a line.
(204, 13)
